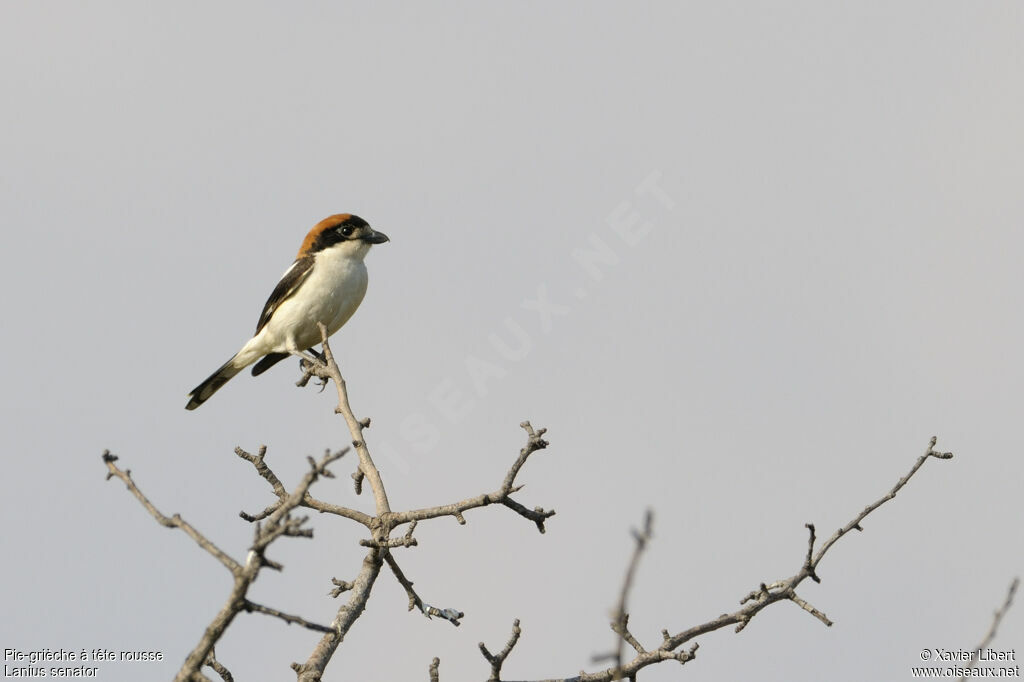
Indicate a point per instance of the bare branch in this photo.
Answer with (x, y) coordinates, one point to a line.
(534, 442)
(406, 540)
(339, 587)
(622, 629)
(809, 609)
(855, 524)
(259, 516)
(435, 676)
(785, 589)
(450, 615)
(168, 521)
(264, 470)
(329, 369)
(253, 607)
(328, 508)
(808, 566)
(997, 618)
(219, 668)
(313, 668)
(498, 660)
(620, 622)
(538, 515)
(502, 495)
(280, 522)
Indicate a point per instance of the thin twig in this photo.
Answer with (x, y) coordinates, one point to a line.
(355, 427)
(328, 508)
(855, 524)
(264, 470)
(451, 615)
(497, 660)
(219, 668)
(168, 521)
(502, 495)
(340, 586)
(253, 607)
(808, 565)
(997, 618)
(620, 622)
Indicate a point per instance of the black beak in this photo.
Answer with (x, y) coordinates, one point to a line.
(376, 237)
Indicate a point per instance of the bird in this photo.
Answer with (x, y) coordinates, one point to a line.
(325, 284)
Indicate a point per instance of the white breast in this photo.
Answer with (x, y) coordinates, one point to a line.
(331, 294)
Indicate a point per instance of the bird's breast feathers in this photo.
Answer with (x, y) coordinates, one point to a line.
(326, 287)
(335, 288)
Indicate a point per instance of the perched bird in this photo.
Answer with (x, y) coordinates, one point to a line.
(326, 283)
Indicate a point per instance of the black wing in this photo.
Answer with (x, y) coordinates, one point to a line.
(289, 284)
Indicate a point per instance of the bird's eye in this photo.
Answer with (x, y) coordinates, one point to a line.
(347, 230)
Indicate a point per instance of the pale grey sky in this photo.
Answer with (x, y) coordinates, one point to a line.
(823, 270)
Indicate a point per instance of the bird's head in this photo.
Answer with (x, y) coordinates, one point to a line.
(344, 231)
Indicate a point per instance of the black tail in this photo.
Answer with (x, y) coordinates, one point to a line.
(201, 393)
(267, 362)
(272, 359)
